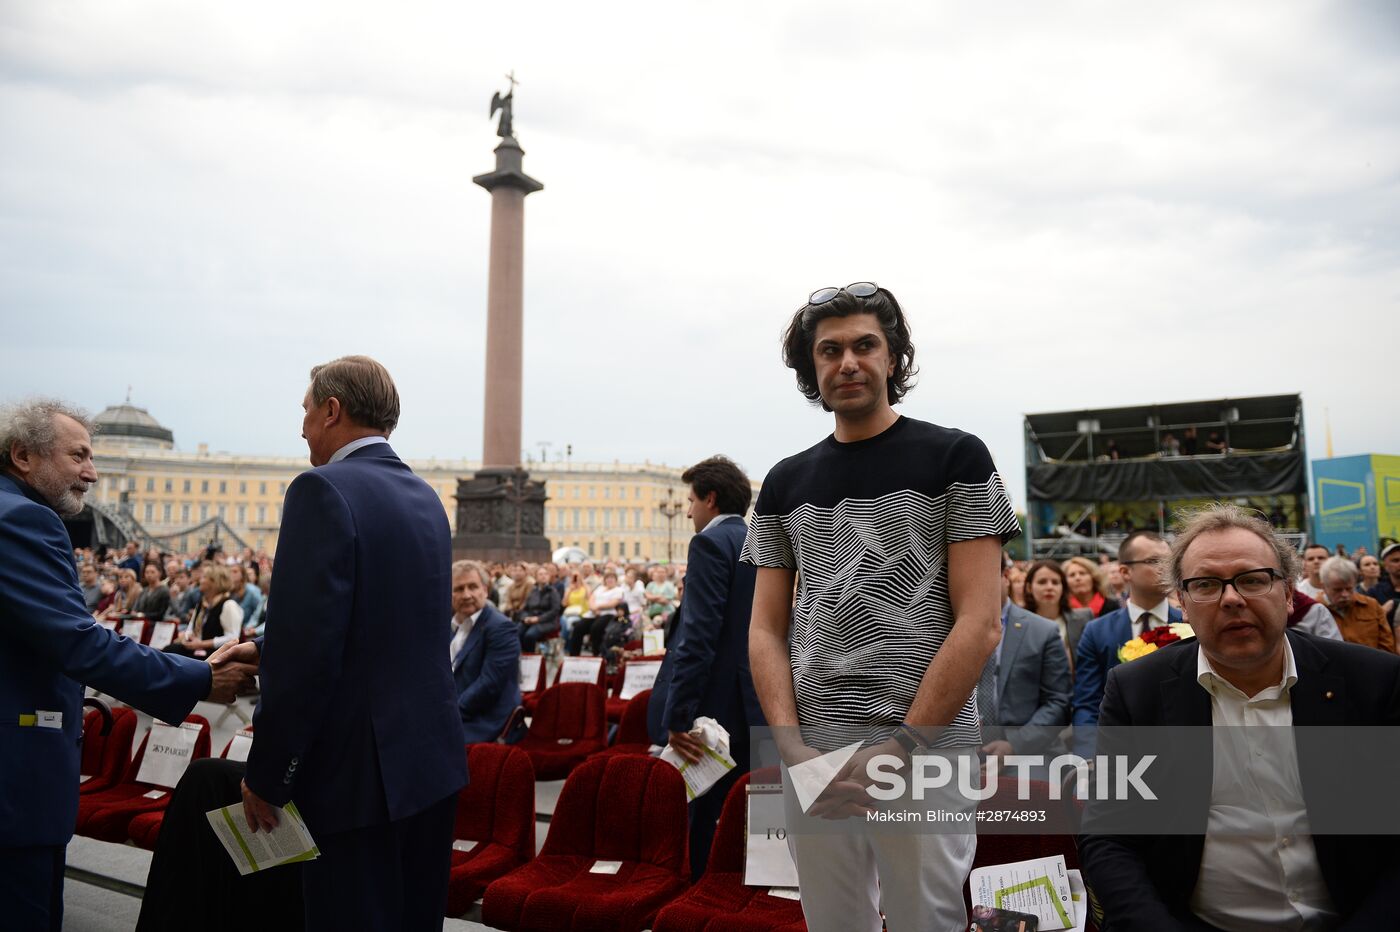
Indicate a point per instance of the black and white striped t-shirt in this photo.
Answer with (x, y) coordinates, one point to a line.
(867, 526)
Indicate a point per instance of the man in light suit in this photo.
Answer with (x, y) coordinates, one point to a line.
(358, 721)
(1242, 853)
(1141, 557)
(485, 652)
(50, 649)
(1023, 696)
(706, 670)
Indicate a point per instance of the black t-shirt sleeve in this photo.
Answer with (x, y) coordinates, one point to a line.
(978, 505)
(767, 542)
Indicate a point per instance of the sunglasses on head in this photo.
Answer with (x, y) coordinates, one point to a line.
(855, 290)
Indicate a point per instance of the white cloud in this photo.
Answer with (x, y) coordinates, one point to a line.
(1079, 204)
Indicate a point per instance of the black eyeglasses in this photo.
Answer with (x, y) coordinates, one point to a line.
(855, 289)
(1150, 561)
(1250, 585)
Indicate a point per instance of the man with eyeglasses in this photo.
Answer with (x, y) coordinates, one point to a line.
(1140, 560)
(891, 530)
(1242, 853)
(1360, 617)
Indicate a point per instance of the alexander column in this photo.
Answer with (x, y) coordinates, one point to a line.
(500, 510)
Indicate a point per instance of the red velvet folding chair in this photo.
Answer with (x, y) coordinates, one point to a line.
(529, 697)
(144, 829)
(106, 815)
(616, 704)
(632, 737)
(720, 902)
(105, 756)
(532, 701)
(567, 727)
(631, 810)
(495, 831)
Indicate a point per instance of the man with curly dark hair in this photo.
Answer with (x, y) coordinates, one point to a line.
(890, 530)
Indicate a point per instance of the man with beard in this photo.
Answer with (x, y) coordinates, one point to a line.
(51, 649)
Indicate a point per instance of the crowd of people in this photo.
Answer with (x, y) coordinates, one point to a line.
(214, 597)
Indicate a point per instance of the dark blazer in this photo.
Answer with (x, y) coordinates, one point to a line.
(1096, 654)
(1033, 686)
(486, 672)
(543, 601)
(1145, 882)
(51, 649)
(358, 718)
(706, 670)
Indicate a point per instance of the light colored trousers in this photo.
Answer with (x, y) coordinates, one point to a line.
(913, 873)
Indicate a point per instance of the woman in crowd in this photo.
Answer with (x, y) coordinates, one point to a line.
(128, 591)
(636, 592)
(217, 619)
(575, 603)
(1047, 594)
(660, 596)
(521, 585)
(603, 603)
(1370, 569)
(1088, 587)
(1017, 580)
(539, 616)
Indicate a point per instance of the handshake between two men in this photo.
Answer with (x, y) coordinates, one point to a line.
(231, 667)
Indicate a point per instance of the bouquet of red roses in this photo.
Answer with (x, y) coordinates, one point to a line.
(1153, 638)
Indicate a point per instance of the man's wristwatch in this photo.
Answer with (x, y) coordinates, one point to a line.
(908, 739)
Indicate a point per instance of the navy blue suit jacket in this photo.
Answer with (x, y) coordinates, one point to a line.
(50, 649)
(1145, 882)
(487, 674)
(358, 720)
(706, 670)
(1096, 655)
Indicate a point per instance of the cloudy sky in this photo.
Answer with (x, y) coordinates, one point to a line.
(1079, 204)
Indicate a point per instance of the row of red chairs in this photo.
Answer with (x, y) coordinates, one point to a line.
(610, 683)
(619, 805)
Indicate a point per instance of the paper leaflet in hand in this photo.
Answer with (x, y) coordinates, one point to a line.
(288, 843)
(713, 764)
(1040, 886)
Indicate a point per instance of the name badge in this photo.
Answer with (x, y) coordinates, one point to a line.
(48, 719)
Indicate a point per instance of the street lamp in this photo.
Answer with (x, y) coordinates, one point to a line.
(669, 509)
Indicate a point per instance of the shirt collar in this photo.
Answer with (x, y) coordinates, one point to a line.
(717, 519)
(354, 445)
(471, 620)
(1211, 681)
(1161, 611)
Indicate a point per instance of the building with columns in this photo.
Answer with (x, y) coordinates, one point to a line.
(610, 510)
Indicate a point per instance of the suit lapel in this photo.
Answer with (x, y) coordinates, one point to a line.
(1184, 701)
(470, 643)
(1319, 696)
(1012, 639)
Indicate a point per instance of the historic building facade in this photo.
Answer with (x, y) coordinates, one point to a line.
(610, 510)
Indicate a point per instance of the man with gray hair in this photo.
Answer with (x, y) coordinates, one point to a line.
(1360, 617)
(1242, 853)
(485, 655)
(51, 648)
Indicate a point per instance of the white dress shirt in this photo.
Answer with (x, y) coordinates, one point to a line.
(1259, 868)
(461, 630)
(1159, 613)
(354, 445)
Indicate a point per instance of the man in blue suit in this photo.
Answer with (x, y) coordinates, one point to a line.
(1024, 693)
(51, 648)
(1141, 557)
(358, 722)
(485, 652)
(706, 670)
